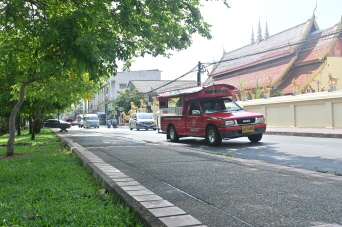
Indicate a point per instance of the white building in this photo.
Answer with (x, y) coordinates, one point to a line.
(122, 79)
(115, 84)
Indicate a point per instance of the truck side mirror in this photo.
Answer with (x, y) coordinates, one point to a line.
(196, 112)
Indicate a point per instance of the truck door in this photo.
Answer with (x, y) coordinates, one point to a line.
(194, 121)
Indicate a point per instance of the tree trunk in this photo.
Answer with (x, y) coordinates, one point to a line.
(10, 142)
(35, 125)
(18, 126)
(30, 125)
(33, 135)
(37, 120)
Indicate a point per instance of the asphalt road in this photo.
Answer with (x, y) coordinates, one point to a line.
(224, 191)
(312, 153)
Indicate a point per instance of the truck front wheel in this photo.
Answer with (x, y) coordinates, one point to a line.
(173, 134)
(213, 136)
(255, 138)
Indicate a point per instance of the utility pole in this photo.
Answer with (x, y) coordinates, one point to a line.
(106, 112)
(199, 74)
(106, 108)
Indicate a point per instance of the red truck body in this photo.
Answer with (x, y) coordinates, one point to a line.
(207, 112)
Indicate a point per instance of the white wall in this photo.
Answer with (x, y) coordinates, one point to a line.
(322, 110)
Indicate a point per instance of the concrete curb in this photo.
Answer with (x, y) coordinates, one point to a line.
(305, 134)
(152, 210)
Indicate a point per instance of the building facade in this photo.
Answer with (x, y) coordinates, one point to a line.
(301, 59)
(115, 84)
(121, 80)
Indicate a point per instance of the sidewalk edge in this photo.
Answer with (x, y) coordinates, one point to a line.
(164, 214)
(304, 134)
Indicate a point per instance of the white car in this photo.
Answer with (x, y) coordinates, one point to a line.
(142, 121)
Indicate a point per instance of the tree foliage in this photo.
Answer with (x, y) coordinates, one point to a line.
(127, 96)
(5, 101)
(51, 42)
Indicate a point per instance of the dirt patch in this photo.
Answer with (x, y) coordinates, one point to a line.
(16, 155)
(22, 144)
(17, 144)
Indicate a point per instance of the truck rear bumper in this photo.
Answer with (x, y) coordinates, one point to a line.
(238, 133)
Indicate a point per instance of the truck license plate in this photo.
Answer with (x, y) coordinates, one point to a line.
(247, 128)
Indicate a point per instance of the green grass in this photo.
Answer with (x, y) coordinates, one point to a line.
(44, 184)
(320, 171)
(219, 153)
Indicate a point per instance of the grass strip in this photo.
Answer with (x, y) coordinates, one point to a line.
(44, 184)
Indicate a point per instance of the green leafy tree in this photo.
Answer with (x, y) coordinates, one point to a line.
(52, 41)
(5, 101)
(127, 96)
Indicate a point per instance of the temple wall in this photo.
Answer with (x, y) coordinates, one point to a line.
(334, 67)
(321, 110)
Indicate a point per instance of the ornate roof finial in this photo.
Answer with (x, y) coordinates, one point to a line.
(313, 13)
(266, 32)
(252, 38)
(224, 51)
(259, 37)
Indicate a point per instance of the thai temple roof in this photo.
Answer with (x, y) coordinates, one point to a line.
(267, 62)
(268, 49)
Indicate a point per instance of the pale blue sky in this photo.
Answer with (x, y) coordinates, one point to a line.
(232, 29)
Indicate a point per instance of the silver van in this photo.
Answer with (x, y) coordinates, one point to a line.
(91, 120)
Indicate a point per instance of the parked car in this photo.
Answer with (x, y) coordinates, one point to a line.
(55, 123)
(142, 121)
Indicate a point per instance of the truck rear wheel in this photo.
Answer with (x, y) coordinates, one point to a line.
(255, 138)
(173, 134)
(213, 136)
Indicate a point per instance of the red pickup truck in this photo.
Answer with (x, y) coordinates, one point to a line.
(207, 112)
